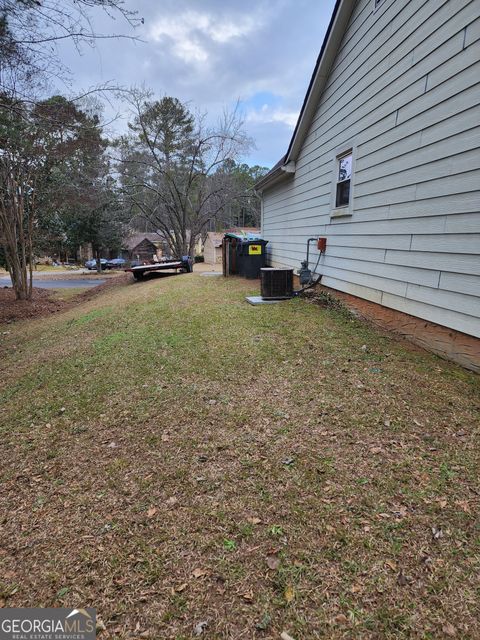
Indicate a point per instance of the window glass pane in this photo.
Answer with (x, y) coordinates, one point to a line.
(343, 193)
(345, 168)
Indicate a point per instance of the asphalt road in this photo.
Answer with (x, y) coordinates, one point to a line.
(44, 283)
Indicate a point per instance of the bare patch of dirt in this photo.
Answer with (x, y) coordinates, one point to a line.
(44, 301)
(121, 279)
(41, 304)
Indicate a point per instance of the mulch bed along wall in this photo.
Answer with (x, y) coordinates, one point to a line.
(44, 303)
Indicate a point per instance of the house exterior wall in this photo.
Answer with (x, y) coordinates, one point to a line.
(209, 251)
(145, 250)
(212, 253)
(404, 94)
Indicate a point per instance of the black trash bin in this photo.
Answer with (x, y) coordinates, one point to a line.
(243, 255)
(251, 257)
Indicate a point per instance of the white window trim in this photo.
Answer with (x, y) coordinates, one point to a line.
(346, 210)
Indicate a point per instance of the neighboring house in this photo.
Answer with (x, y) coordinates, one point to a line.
(198, 249)
(143, 246)
(384, 162)
(212, 249)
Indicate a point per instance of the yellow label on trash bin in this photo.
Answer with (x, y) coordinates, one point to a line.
(255, 249)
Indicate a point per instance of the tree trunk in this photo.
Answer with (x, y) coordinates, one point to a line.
(30, 245)
(97, 258)
(17, 240)
(191, 248)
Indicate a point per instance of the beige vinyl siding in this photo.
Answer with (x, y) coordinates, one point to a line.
(404, 92)
(211, 253)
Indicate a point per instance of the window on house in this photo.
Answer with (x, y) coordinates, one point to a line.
(344, 177)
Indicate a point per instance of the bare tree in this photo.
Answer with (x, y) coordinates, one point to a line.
(30, 31)
(170, 166)
(244, 211)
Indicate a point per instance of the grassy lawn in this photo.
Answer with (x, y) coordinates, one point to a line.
(67, 293)
(46, 268)
(174, 456)
(51, 268)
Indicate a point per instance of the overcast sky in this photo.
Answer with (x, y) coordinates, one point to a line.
(212, 53)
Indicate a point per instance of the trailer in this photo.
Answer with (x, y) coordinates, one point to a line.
(185, 265)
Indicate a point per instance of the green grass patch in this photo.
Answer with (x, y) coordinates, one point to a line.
(162, 442)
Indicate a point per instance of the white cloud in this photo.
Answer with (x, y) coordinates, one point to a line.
(267, 114)
(209, 53)
(192, 33)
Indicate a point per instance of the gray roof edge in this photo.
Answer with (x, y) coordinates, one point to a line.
(333, 38)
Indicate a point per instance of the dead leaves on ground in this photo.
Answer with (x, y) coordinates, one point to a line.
(289, 594)
(199, 573)
(437, 533)
(248, 596)
(273, 562)
(351, 475)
